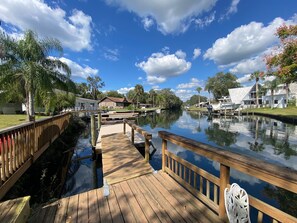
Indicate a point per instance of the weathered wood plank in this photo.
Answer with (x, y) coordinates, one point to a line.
(115, 210)
(72, 209)
(83, 211)
(143, 203)
(173, 214)
(136, 210)
(121, 160)
(94, 214)
(123, 203)
(105, 215)
(61, 214)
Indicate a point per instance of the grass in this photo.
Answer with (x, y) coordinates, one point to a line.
(286, 112)
(12, 120)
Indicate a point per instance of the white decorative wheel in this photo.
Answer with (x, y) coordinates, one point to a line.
(237, 204)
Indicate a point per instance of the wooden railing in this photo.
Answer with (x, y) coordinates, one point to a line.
(21, 145)
(147, 137)
(196, 179)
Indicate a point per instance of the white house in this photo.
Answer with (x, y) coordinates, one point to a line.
(244, 96)
(279, 96)
(85, 104)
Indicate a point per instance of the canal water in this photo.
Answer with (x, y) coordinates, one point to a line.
(258, 137)
(85, 172)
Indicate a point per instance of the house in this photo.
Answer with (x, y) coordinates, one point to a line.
(85, 104)
(245, 96)
(113, 102)
(279, 96)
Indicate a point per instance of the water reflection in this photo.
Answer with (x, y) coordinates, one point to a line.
(258, 137)
(84, 173)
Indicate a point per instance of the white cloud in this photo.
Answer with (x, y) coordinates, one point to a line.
(111, 54)
(233, 7)
(244, 42)
(74, 31)
(249, 65)
(171, 16)
(180, 54)
(206, 21)
(184, 94)
(196, 53)
(139, 78)
(77, 70)
(159, 67)
(194, 83)
(244, 79)
(124, 90)
(147, 23)
(156, 87)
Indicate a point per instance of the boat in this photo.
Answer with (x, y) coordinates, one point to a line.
(225, 103)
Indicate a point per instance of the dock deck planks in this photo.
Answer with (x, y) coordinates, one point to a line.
(121, 160)
(149, 198)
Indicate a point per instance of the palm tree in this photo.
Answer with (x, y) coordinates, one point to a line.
(257, 75)
(198, 89)
(272, 85)
(27, 61)
(138, 92)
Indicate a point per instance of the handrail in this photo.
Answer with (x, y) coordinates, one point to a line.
(21, 145)
(147, 136)
(183, 172)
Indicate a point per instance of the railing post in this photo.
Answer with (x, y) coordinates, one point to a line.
(224, 181)
(164, 148)
(132, 134)
(124, 127)
(93, 130)
(99, 120)
(147, 150)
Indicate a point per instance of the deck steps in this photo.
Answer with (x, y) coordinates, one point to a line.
(15, 211)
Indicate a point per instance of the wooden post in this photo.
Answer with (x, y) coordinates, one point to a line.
(124, 127)
(93, 130)
(99, 120)
(164, 148)
(132, 135)
(224, 181)
(147, 150)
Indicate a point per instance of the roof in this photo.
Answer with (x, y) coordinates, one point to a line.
(238, 94)
(114, 99)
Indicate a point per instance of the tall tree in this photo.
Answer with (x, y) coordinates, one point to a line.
(27, 61)
(257, 75)
(138, 92)
(152, 96)
(284, 64)
(198, 89)
(94, 84)
(271, 85)
(220, 83)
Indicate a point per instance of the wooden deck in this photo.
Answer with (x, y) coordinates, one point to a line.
(16, 210)
(121, 160)
(149, 198)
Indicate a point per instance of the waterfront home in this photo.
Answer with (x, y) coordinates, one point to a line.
(85, 104)
(279, 96)
(113, 102)
(245, 96)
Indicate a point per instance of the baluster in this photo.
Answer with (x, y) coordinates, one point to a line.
(3, 159)
(195, 180)
(207, 188)
(260, 217)
(164, 148)
(6, 162)
(215, 193)
(13, 141)
(201, 185)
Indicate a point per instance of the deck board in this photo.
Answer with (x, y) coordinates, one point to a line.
(121, 160)
(149, 198)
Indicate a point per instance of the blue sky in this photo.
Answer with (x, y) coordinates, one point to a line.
(159, 44)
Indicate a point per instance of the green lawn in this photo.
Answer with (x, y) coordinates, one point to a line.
(288, 112)
(11, 120)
